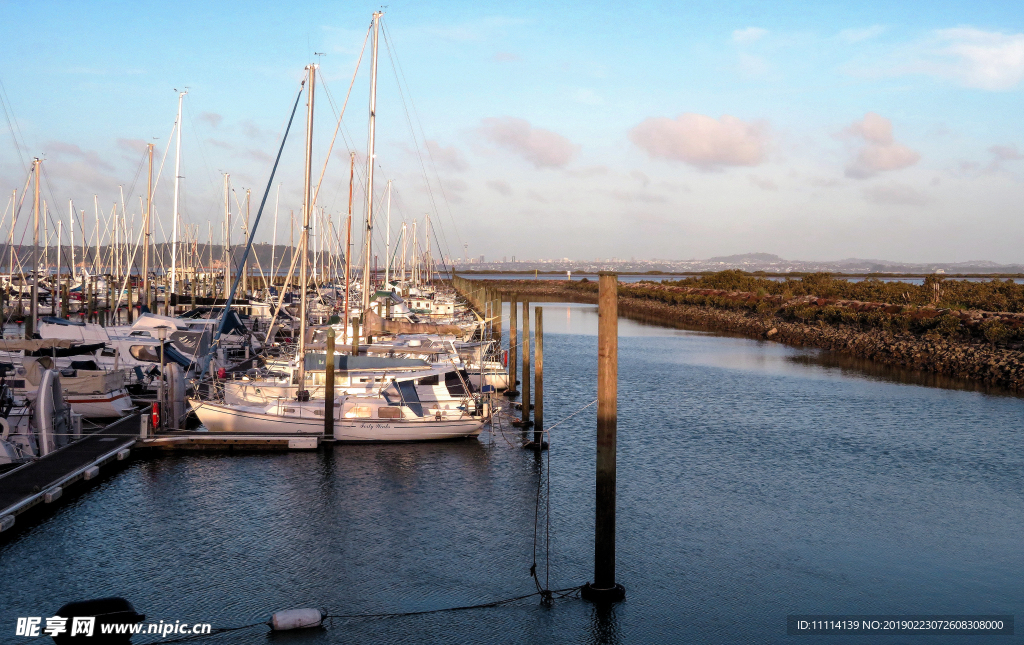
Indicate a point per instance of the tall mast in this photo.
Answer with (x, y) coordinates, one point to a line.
(273, 247)
(307, 208)
(348, 244)
(387, 243)
(57, 292)
(370, 163)
(71, 230)
(174, 225)
(35, 254)
(415, 255)
(426, 254)
(245, 267)
(145, 249)
(46, 240)
(96, 234)
(405, 247)
(10, 242)
(227, 235)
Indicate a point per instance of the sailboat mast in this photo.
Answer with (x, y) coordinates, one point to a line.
(71, 230)
(174, 225)
(273, 247)
(145, 249)
(405, 247)
(307, 208)
(227, 235)
(387, 243)
(426, 255)
(370, 163)
(35, 255)
(348, 245)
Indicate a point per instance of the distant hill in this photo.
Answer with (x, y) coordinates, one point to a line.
(747, 257)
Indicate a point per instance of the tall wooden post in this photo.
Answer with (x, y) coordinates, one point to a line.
(604, 589)
(496, 308)
(526, 365)
(538, 379)
(513, 347)
(329, 387)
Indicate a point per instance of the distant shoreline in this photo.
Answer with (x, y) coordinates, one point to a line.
(758, 274)
(963, 358)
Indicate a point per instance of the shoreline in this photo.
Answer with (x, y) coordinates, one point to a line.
(970, 360)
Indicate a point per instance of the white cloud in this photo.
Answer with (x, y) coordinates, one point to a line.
(449, 158)
(983, 59)
(880, 152)
(894, 194)
(500, 186)
(212, 118)
(701, 141)
(543, 148)
(763, 182)
(851, 36)
(748, 35)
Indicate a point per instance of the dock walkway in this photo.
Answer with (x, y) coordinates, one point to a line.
(43, 481)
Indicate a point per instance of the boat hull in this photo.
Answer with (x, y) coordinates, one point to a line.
(221, 418)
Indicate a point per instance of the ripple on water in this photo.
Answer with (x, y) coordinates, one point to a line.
(755, 480)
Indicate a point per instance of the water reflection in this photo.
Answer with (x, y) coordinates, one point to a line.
(755, 480)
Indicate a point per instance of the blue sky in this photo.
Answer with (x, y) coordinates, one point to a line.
(668, 130)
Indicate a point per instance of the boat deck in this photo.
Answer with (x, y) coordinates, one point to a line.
(43, 481)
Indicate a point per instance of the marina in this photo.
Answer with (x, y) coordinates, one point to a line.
(729, 514)
(511, 325)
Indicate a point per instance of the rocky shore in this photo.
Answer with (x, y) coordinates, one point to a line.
(966, 358)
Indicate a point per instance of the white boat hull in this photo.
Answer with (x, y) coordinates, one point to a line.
(106, 405)
(252, 420)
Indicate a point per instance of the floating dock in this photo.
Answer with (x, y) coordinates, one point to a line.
(228, 441)
(44, 480)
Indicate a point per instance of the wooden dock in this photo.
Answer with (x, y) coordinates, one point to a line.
(44, 480)
(227, 441)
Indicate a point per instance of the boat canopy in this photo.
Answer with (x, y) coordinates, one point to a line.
(346, 363)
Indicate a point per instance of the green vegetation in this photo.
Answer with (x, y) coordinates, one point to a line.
(993, 295)
(906, 308)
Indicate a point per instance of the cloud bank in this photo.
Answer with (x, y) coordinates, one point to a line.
(701, 141)
(543, 148)
(880, 152)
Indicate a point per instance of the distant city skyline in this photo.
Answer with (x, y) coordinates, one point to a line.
(647, 130)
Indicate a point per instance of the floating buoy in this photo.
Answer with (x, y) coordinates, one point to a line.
(296, 619)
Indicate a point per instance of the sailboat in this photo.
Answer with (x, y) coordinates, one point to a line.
(395, 414)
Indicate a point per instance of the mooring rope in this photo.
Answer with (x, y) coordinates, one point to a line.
(560, 593)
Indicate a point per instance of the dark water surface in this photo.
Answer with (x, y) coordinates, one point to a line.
(755, 481)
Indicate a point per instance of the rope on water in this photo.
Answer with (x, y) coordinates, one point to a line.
(560, 593)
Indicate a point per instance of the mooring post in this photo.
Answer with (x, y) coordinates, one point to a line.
(526, 364)
(513, 347)
(497, 307)
(538, 379)
(329, 387)
(604, 589)
(355, 336)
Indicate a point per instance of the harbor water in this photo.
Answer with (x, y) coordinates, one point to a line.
(755, 481)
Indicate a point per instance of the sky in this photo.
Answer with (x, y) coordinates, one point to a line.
(816, 131)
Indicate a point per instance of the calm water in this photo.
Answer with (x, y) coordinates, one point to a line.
(755, 481)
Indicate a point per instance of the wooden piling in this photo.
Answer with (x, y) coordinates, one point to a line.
(355, 336)
(526, 365)
(329, 387)
(513, 347)
(604, 589)
(538, 379)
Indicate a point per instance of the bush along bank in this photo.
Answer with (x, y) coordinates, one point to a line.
(974, 344)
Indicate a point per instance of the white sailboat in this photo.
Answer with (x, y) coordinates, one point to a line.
(390, 416)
